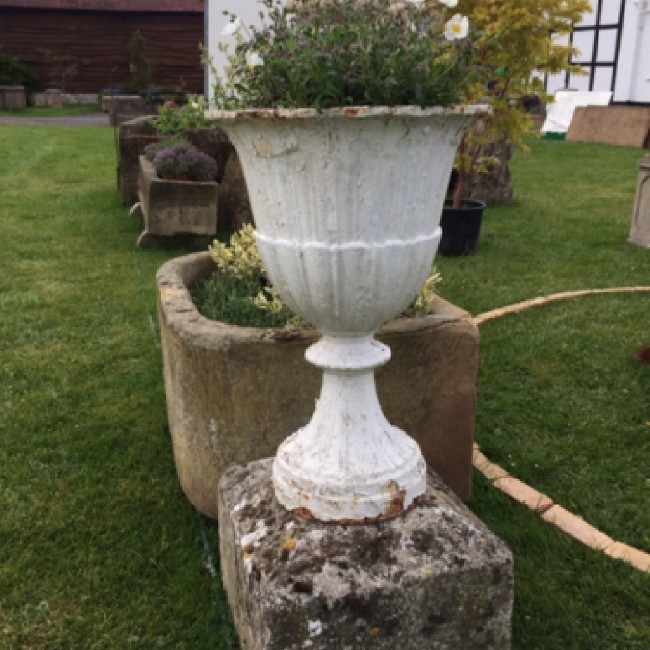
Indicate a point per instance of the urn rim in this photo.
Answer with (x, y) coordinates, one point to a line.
(354, 112)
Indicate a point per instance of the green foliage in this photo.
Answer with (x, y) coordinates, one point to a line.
(174, 120)
(520, 41)
(240, 292)
(230, 299)
(348, 53)
(138, 63)
(14, 72)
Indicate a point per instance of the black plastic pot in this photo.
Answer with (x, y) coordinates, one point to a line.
(461, 227)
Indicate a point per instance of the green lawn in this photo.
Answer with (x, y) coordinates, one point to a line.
(98, 546)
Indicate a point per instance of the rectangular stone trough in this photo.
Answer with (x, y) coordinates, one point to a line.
(173, 208)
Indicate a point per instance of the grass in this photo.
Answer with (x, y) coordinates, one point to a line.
(99, 548)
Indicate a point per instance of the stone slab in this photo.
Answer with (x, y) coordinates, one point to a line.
(627, 126)
(635, 557)
(433, 578)
(577, 528)
(523, 493)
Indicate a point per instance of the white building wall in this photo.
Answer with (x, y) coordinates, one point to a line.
(633, 67)
(638, 87)
(248, 12)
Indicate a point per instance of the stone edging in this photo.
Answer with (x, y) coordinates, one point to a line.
(540, 503)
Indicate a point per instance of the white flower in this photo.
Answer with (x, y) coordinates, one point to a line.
(449, 3)
(457, 27)
(253, 59)
(232, 27)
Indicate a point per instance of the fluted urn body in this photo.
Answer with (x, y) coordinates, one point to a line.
(346, 205)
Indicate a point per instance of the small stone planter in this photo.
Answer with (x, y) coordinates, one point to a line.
(640, 226)
(175, 209)
(234, 393)
(13, 98)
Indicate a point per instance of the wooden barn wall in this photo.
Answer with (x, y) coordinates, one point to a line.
(99, 43)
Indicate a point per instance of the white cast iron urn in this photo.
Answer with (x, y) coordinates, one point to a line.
(346, 205)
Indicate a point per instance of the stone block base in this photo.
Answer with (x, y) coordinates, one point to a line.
(434, 578)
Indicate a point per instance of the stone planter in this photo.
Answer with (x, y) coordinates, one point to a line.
(640, 227)
(134, 135)
(234, 393)
(13, 98)
(175, 209)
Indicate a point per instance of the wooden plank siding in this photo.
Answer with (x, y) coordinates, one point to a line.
(99, 43)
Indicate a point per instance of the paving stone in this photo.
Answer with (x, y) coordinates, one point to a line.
(577, 528)
(633, 556)
(491, 471)
(523, 493)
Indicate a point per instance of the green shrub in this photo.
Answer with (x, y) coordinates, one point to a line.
(240, 293)
(14, 72)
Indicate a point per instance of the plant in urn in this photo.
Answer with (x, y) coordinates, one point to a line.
(346, 117)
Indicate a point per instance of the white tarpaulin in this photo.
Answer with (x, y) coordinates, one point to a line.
(560, 112)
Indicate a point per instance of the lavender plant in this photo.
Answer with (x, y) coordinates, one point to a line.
(182, 161)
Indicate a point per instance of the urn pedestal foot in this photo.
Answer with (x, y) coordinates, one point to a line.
(348, 462)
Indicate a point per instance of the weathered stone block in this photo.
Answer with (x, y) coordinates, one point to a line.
(235, 393)
(54, 97)
(640, 228)
(122, 108)
(134, 135)
(434, 578)
(173, 207)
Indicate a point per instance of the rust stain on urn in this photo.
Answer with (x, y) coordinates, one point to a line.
(394, 509)
(396, 505)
